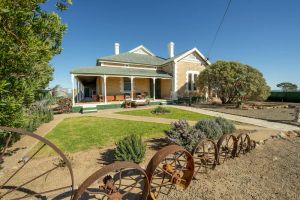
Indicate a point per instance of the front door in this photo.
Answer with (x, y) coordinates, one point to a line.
(86, 92)
(157, 88)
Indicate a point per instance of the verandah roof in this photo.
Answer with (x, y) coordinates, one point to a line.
(121, 71)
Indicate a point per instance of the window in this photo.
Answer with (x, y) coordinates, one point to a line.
(191, 80)
(194, 81)
(127, 84)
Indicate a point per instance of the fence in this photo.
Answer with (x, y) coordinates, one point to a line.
(285, 96)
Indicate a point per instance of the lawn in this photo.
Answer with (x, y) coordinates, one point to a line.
(76, 134)
(174, 114)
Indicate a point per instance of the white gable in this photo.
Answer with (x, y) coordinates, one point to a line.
(141, 50)
(193, 57)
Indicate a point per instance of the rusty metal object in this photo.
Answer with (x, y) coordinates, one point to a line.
(119, 180)
(252, 144)
(205, 156)
(170, 167)
(243, 144)
(22, 190)
(227, 147)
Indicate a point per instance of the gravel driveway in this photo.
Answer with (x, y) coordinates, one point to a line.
(271, 171)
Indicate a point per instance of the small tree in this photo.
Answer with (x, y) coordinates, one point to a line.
(286, 86)
(234, 82)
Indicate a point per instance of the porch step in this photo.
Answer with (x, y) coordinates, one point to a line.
(89, 109)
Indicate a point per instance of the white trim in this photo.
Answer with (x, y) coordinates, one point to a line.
(73, 92)
(131, 92)
(119, 76)
(193, 80)
(191, 51)
(174, 81)
(143, 48)
(154, 88)
(104, 81)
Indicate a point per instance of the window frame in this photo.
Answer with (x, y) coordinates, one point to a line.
(126, 83)
(190, 80)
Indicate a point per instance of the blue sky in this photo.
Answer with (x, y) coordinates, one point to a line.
(262, 33)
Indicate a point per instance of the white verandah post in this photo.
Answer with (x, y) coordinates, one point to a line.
(77, 89)
(131, 87)
(73, 92)
(154, 88)
(104, 81)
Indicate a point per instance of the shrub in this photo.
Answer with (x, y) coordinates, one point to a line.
(38, 113)
(227, 126)
(210, 128)
(130, 148)
(182, 134)
(160, 110)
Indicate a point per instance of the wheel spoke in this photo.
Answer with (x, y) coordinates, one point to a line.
(22, 166)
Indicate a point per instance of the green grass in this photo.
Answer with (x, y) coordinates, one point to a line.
(174, 114)
(76, 134)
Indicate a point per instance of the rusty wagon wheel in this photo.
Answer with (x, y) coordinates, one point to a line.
(119, 180)
(243, 144)
(26, 177)
(170, 167)
(205, 156)
(227, 146)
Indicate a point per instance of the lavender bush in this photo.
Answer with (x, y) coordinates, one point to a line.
(184, 135)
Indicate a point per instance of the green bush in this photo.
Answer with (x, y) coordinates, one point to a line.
(182, 134)
(210, 128)
(227, 126)
(130, 148)
(160, 110)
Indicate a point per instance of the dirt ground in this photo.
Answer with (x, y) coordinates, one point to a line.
(271, 171)
(283, 115)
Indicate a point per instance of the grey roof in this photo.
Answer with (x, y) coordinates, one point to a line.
(121, 71)
(174, 57)
(134, 58)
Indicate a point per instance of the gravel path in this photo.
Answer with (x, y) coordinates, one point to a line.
(271, 171)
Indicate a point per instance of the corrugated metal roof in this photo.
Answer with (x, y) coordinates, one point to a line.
(121, 71)
(134, 58)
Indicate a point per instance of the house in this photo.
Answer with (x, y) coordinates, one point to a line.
(137, 74)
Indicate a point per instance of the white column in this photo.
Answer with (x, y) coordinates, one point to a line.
(77, 89)
(131, 86)
(104, 83)
(153, 89)
(73, 96)
(174, 82)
